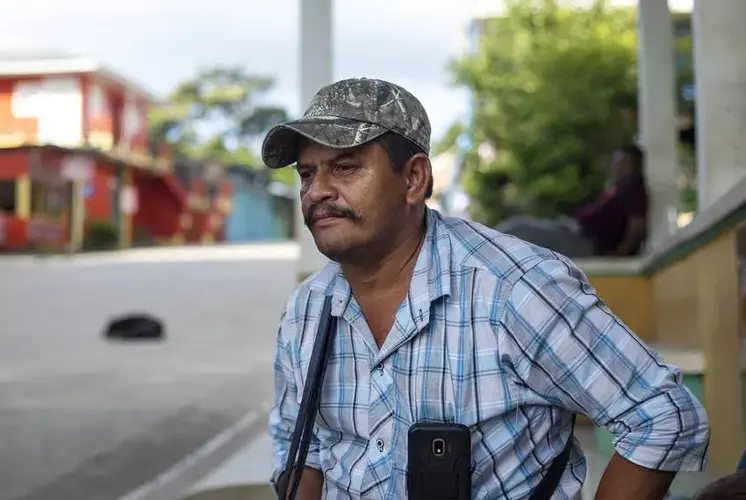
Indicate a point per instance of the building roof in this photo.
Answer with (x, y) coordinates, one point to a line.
(40, 62)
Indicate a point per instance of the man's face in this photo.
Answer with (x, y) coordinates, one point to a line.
(350, 198)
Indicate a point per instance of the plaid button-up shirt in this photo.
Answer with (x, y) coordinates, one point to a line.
(505, 337)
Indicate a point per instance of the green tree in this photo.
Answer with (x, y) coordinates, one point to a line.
(218, 115)
(555, 92)
(449, 139)
(684, 79)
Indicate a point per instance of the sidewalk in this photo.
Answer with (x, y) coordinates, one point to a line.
(243, 476)
(194, 253)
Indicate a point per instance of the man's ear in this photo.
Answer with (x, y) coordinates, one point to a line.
(417, 172)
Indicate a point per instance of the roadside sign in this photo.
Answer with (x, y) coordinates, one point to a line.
(128, 201)
(77, 167)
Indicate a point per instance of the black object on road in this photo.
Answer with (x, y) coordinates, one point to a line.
(136, 326)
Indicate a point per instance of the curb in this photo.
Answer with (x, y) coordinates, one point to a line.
(243, 492)
(174, 482)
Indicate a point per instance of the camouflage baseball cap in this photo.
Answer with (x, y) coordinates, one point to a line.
(350, 113)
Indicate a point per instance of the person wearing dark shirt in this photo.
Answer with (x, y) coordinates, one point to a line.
(614, 225)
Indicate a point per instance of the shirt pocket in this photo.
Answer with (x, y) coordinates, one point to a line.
(457, 375)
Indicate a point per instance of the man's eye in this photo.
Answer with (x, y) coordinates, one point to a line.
(345, 166)
(304, 174)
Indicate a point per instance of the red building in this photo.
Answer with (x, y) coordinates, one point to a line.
(75, 159)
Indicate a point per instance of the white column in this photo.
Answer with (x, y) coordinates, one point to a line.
(316, 70)
(720, 106)
(657, 114)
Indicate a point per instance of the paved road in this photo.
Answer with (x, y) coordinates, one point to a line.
(86, 419)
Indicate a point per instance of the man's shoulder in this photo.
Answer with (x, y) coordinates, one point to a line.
(491, 252)
(315, 286)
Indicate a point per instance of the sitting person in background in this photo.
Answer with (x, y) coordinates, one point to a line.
(613, 225)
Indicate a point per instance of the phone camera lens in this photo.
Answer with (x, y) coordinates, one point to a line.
(439, 447)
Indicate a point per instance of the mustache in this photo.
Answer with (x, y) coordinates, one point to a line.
(328, 210)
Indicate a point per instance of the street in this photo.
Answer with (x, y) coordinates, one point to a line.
(84, 418)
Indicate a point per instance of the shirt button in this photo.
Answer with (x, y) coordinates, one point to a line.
(380, 368)
(379, 445)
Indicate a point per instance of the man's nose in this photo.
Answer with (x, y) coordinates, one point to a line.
(321, 188)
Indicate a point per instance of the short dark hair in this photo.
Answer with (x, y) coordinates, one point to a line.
(400, 150)
(635, 153)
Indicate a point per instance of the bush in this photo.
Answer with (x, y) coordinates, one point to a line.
(101, 235)
(555, 87)
(141, 237)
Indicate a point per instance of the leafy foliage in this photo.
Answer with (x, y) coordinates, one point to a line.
(101, 235)
(555, 89)
(218, 115)
(450, 138)
(685, 78)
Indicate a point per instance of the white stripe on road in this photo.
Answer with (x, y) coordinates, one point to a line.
(205, 451)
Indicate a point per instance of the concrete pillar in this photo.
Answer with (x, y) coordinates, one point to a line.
(657, 114)
(720, 76)
(720, 114)
(316, 70)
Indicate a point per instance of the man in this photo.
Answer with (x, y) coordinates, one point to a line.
(613, 225)
(445, 320)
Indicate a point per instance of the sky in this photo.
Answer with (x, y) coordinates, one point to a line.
(161, 42)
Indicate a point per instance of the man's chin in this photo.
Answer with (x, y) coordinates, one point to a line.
(332, 248)
(331, 252)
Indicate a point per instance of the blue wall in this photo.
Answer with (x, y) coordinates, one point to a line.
(257, 215)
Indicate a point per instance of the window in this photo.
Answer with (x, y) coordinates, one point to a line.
(8, 196)
(49, 200)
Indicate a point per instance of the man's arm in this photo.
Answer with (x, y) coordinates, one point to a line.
(283, 416)
(634, 235)
(572, 352)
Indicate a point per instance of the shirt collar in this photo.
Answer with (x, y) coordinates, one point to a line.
(431, 279)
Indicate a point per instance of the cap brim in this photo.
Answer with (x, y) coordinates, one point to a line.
(280, 147)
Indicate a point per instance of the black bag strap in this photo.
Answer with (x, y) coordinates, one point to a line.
(551, 479)
(309, 405)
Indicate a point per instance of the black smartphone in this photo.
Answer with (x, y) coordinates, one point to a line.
(439, 462)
